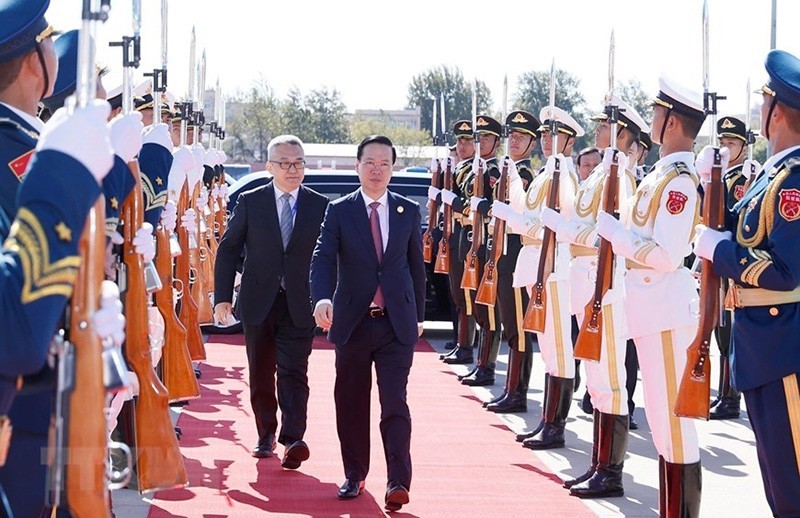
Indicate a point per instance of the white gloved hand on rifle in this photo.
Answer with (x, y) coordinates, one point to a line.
(143, 242)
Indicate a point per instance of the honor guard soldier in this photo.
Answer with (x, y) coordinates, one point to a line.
(523, 133)
(523, 215)
(460, 241)
(762, 262)
(638, 154)
(653, 238)
(489, 132)
(733, 138)
(606, 378)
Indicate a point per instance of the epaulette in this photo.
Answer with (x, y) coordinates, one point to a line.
(682, 168)
(793, 164)
(5, 121)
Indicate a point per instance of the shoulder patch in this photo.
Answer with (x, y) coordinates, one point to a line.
(738, 192)
(682, 168)
(20, 164)
(789, 205)
(676, 202)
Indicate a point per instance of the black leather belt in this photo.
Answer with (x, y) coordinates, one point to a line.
(376, 312)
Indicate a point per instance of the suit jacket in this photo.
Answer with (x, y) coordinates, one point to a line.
(345, 267)
(255, 227)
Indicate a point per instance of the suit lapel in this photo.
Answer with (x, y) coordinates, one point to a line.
(395, 219)
(358, 213)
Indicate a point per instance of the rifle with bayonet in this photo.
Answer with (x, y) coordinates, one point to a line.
(589, 343)
(471, 278)
(536, 312)
(159, 461)
(487, 292)
(443, 257)
(433, 206)
(694, 392)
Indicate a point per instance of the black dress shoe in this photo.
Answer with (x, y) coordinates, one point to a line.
(481, 377)
(522, 436)
(350, 489)
(471, 373)
(396, 496)
(462, 356)
(632, 423)
(729, 407)
(295, 454)
(495, 399)
(513, 403)
(264, 449)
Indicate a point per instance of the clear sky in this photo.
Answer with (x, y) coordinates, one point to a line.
(369, 50)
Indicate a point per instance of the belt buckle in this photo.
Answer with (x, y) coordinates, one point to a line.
(5, 438)
(375, 312)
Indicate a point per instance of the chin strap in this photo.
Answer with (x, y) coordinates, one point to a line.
(44, 70)
(769, 117)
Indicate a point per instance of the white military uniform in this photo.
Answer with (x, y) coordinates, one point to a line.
(661, 300)
(606, 378)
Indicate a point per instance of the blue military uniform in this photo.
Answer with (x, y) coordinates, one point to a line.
(18, 138)
(764, 265)
(155, 162)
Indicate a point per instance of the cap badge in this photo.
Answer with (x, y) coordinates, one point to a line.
(519, 118)
(464, 127)
(481, 122)
(727, 124)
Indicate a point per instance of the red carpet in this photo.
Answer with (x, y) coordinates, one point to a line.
(465, 462)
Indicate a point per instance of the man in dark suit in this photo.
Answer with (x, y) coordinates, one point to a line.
(277, 224)
(368, 271)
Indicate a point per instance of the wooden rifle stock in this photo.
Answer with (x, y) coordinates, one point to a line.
(159, 461)
(199, 260)
(471, 278)
(188, 310)
(695, 388)
(443, 257)
(176, 362)
(487, 293)
(433, 212)
(87, 443)
(590, 339)
(536, 312)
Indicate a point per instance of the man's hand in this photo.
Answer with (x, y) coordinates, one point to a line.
(126, 135)
(448, 196)
(607, 225)
(222, 312)
(323, 315)
(707, 239)
(750, 168)
(551, 219)
(143, 242)
(108, 321)
(608, 159)
(158, 134)
(705, 162)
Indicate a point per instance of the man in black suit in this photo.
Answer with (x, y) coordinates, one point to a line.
(277, 225)
(368, 272)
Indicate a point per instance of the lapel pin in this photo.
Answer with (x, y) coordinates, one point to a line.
(399, 209)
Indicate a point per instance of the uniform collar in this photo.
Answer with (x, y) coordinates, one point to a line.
(32, 121)
(687, 157)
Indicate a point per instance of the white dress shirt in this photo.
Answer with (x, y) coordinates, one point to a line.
(293, 202)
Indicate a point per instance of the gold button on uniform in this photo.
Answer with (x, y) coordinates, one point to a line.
(747, 228)
(773, 311)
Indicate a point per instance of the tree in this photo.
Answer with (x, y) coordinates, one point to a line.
(533, 94)
(404, 139)
(431, 84)
(328, 116)
(632, 93)
(252, 127)
(296, 116)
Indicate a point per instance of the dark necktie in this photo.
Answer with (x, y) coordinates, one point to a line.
(375, 227)
(286, 219)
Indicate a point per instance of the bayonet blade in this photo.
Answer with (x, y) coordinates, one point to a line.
(612, 48)
(705, 47)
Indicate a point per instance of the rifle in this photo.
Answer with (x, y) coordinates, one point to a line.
(589, 344)
(176, 362)
(536, 311)
(694, 392)
(188, 310)
(470, 278)
(433, 210)
(199, 259)
(443, 257)
(487, 293)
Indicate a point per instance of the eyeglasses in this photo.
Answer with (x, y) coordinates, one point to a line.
(286, 166)
(371, 166)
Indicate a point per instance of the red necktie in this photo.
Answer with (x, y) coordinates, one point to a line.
(375, 227)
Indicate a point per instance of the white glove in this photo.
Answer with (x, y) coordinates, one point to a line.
(705, 162)
(169, 216)
(433, 192)
(188, 221)
(750, 168)
(126, 135)
(448, 196)
(143, 242)
(474, 202)
(116, 238)
(223, 191)
(202, 200)
(516, 222)
(434, 165)
(158, 134)
(513, 174)
(215, 192)
(223, 156)
(502, 210)
(108, 321)
(551, 219)
(608, 159)
(550, 165)
(210, 158)
(182, 161)
(184, 157)
(707, 239)
(607, 225)
(195, 174)
(83, 135)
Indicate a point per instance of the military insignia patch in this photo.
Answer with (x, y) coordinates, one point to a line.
(481, 122)
(524, 184)
(20, 164)
(738, 192)
(464, 127)
(727, 124)
(519, 118)
(789, 207)
(676, 202)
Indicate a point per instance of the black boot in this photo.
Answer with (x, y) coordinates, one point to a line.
(555, 416)
(515, 402)
(483, 374)
(729, 405)
(495, 399)
(478, 364)
(482, 377)
(522, 436)
(593, 466)
(607, 480)
(683, 488)
(461, 356)
(466, 328)
(586, 403)
(662, 487)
